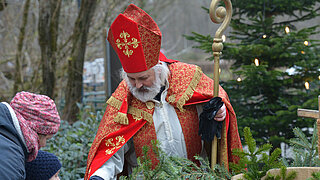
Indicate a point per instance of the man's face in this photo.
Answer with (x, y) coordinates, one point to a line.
(144, 85)
(142, 79)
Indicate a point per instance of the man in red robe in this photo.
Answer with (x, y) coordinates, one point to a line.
(159, 98)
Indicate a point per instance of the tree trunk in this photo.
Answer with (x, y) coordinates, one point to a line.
(18, 83)
(49, 12)
(75, 62)
(3, 4)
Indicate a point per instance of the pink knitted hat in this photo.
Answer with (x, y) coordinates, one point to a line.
(37, 114)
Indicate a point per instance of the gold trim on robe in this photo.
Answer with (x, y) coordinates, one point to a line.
(187, 86)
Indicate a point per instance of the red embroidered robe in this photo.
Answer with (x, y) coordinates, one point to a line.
(127, 117)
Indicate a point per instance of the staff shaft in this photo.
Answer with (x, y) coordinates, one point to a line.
(218, 15)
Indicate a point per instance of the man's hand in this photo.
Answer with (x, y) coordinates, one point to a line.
(221, 114)
(211, 118)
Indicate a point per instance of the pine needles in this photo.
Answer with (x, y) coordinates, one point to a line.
(175, 168)
(305, 150)
(255, 163)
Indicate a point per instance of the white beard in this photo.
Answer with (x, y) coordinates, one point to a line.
(145, 94)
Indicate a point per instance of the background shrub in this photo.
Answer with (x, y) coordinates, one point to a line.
(72, 142)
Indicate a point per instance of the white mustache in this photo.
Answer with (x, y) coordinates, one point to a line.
(143, 89)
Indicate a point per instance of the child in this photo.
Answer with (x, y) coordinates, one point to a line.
(25, 126)
(46, 166)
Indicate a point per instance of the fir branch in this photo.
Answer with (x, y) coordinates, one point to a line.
(256, 161)
(252, 146)
(305, 151)
(175, 167)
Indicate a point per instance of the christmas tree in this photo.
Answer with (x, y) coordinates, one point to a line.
(275, 65)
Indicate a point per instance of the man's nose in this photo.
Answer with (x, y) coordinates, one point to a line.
(138, 84)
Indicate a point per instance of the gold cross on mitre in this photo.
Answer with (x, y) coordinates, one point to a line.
(312, 114)
(126, 43)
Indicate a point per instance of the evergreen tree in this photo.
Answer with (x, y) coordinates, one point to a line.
(264, 94)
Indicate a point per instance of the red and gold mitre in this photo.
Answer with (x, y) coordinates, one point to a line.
(136, 38)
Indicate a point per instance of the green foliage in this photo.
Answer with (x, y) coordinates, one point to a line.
(305, 150)
(283, 175)
(276, 7)
(315, 176)
(72, 143)
(267, 97)
(204, 41)
(174, 168)
(255, 163)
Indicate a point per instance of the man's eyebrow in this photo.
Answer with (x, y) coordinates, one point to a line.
(140, 77)
(145, 76)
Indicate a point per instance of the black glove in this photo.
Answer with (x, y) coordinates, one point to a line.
(208, 127)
